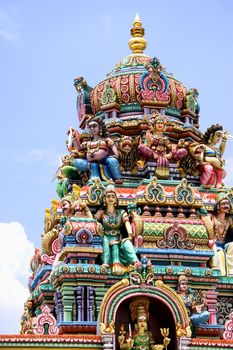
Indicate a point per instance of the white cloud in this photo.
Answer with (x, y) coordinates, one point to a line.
(15, 256)
(9, 27)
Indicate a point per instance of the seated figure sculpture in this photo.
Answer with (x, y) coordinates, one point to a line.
(157, 146)
(208, 158)
(117, 251)
(197, 313)
(219, 224)
(100, 154)
(212, 172)
(141, 338)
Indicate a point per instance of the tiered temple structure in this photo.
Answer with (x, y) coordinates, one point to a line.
(137, 252)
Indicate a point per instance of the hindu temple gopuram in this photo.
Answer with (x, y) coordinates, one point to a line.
(137, 249)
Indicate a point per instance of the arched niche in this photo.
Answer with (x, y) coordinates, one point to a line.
(166, 309)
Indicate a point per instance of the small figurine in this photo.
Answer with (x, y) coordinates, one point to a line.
(128, 154)
(101, 154)
(27, 319)
(191, 102)
(196, 311)
(205, 158)
(157, 146)
(219, 225)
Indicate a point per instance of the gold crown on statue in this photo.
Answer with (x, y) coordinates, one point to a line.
(182, 278)
(139, 308)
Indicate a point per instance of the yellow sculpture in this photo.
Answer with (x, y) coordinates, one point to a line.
(141, 338)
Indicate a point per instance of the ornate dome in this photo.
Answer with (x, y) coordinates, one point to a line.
(139, 81)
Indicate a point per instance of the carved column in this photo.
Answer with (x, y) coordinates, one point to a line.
(90, 304)
(211, 299)
(99, 294)
(184, 343)
(108, 341)
(67, 301)
(80, 303)
(59, 306)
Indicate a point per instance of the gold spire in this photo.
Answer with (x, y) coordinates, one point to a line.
(137, 43)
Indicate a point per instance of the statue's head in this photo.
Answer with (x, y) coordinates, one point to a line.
(110, 196)
(141, 319)
(139, 308)
(213, 134)
(182, 283)
(126, 144)
(223, 204)
(157, 122)
(93, 127)
(66, 205)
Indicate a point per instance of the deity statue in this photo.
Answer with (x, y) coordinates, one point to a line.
(187, 164)
(67, 172)
(141, 338)
(196, 310)
(191, 101)
(101, 155)
(128, 154)
(219, 225)
(136, 223)
(70, 208)
(208, 157)
(117, 251)
(66, 206)
(27, 319)
(157, 146)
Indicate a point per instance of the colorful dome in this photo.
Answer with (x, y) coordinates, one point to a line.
(138, 81)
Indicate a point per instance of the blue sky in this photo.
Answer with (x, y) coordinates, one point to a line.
(44, 44)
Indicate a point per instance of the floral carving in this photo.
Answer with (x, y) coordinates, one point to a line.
(154, 84)
(184, 193)
(155, 192)
(175, 237)
(45, 323)
(228, 333)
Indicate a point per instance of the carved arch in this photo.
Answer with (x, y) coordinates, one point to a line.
(123, 291)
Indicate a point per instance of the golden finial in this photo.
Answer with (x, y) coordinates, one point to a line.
(137, 43)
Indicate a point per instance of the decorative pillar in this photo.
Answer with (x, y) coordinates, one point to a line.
(211, 299)
(99, 295)
(67, 301)
(90, 304)
(146, 110)
(184, 343)
(114, 113)
(80, 303)
(59, 306)
(108, 341)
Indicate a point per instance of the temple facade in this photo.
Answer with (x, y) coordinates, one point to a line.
(137, 249)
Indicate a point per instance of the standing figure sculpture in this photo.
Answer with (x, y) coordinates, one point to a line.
(141, 338)
(191, 102)
(117, 251)
(157, 146)
(219, 225)
(101, 154)
(27, 319)
(197, 313)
